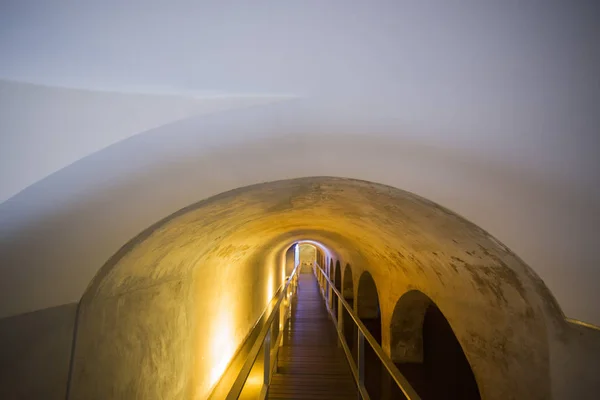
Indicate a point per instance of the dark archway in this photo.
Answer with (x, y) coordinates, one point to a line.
(337, 282)
(330, 273)
(368, 310)
(348, 293)
(320, 257)
(425, 349)
(367, 305)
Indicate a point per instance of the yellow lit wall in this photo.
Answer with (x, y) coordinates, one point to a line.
(203, 298)
(163, 317)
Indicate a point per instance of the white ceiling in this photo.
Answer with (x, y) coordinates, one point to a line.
(489, 109)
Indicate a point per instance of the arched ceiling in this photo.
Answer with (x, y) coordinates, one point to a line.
(207, 258)
(69, 124)
(486, 109)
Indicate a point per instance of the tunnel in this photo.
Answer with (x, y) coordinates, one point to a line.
(457, 312)
(305, 200)
(181, 296)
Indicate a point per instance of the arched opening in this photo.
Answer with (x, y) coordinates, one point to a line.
(308, 253)
(320, 257)
(426, 351)
(330, 268)
(367, 307)
(330, 272)
(307, 256)
(348, 293)
(337, 281)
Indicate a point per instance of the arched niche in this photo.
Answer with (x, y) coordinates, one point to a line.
(368, 310)
(330, 270)
(348, 293)
(367, 305)
(426, 350)
(348, 285)
(337, 281)
(338, 276)
(330, 274)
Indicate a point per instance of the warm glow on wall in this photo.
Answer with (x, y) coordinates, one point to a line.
(256, 378)
(270, 288)
(222, 344)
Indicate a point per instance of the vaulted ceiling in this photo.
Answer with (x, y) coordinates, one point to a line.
(116, 114)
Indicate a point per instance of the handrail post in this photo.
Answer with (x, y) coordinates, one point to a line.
(320, 279)
(331, 297)
(267, 359)
(327, 295)
(282, 318)
(340, 315)
(361, 359)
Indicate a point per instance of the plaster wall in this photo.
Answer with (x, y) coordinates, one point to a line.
(575, 362)
(166, 314)
(67, 124)
(488, 108)
(229, 250)
(35, 353)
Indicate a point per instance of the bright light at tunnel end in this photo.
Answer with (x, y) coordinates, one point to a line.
(319, 245)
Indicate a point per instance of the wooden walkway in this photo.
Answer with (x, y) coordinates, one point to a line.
(311, 364)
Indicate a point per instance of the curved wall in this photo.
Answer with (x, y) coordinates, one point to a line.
(488, 109)
(210, 261)
(100, 202)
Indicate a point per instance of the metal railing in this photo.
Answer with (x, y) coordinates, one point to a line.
(225, 390)
(358, 367)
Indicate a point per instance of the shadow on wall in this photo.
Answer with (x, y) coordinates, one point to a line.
(35, 351)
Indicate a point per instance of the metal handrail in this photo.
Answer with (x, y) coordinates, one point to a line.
(363, 333)
(264, 337)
